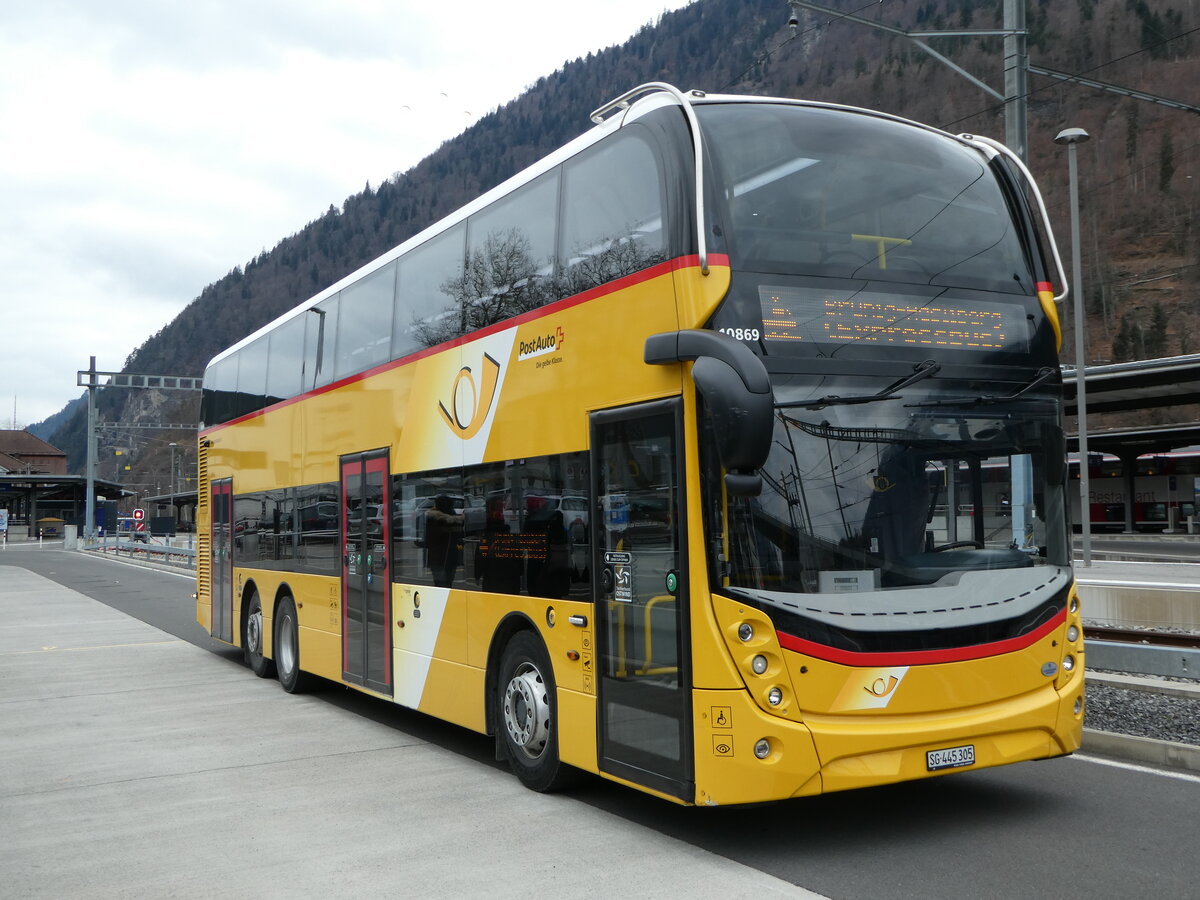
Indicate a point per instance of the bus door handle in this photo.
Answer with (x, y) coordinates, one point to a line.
(578, 621)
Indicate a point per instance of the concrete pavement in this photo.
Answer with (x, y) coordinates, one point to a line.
(135, 764)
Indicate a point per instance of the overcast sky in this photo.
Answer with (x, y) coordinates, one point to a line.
(147, 147)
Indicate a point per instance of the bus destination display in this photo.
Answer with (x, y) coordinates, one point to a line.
(822, 316)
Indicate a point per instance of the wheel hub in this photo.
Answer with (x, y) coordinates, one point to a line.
(254, 632)
(527, 711)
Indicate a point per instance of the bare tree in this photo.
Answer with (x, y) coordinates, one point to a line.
(499, 280)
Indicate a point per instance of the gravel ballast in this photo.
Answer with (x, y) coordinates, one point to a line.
(1142, 714)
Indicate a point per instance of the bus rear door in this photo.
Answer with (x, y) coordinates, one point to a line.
(221, 578)
(366, 582)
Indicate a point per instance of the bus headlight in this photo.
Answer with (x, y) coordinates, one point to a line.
(745, 632)
(1073, 634)
(1068, 663)
(759, 664)
(775, 696)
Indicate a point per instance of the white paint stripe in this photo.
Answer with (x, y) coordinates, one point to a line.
(1133, 767)
(1152, 585)
(499, 346)
(415, 642)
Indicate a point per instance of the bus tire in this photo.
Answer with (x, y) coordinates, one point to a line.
(287, 648)
(252, 639)
(526, 715)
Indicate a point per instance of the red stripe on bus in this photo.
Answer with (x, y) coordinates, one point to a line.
(1045, 286)
(919, 657)
(664, 268)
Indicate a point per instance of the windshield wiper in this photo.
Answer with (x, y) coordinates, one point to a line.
(923, 371)
(1044, 374)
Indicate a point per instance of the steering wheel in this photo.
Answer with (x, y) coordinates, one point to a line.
(954, 545)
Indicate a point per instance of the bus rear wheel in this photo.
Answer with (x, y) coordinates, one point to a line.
(252, 640)
(526, 715)
(287, 648)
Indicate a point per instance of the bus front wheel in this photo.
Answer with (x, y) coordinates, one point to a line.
(526, 709)
(287, 648)
(252, 640)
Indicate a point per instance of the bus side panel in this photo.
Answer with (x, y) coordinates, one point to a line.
(698, 296)
(320, 651)
(577, 729)
(596, 362)
(430, 666)
(452, 691)
(487, 611)
(440, 662)
(364, 414)
(204, 610)
(319, 615)
(431, 622)
(574, 678)
(318, 611)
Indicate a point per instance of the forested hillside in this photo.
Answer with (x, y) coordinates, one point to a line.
(1139, 178)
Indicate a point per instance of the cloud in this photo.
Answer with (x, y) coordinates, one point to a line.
(147, 148)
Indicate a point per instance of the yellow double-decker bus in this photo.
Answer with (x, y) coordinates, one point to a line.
(719, 454)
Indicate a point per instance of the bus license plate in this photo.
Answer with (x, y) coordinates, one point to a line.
(950, 758)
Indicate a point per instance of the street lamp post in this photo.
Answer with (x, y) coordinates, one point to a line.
(173, 446)
(1072, 137)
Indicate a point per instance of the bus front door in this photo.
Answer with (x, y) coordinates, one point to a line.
(366, 581)
(221, 577)
(641, 598)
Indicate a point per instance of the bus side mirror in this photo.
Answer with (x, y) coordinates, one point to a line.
(736, 392)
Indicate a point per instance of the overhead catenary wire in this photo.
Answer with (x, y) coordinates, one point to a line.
(793, 36)
(996, 106)
(949, 125)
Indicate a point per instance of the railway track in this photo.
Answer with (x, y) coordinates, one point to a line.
(1189, 640)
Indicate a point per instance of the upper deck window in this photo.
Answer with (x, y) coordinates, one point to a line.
(846, 195)
(285, 372)
(596, 218)
(427, 312)
(612, 222)
(365, 322)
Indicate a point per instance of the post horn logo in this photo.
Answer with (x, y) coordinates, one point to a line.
(870, 689)
(469, 401)
(881, 686)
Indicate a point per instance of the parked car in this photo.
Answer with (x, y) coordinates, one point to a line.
(408, 516)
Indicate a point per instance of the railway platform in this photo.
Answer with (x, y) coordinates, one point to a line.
(138, 765)
(1161, 596)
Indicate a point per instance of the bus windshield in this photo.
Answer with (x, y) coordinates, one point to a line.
(860, 197)
(926, 488)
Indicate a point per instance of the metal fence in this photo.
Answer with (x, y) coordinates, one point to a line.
(121, 546)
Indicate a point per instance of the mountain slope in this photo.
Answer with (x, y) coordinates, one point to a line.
(1139, 196)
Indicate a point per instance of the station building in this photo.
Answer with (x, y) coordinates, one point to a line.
(37, 496)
